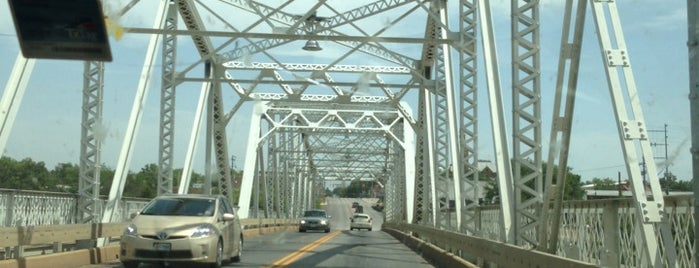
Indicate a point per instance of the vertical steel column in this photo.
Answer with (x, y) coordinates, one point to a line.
(274, 199)
(468, 126)
(167, 104)
(286, 178)
(526, 121)
(650, 209)
(253, 160)
(446, 137)
(502, 155)
(194, 139)
(421, 211)
(90, 141)
(219, 135)
(397, 155)
(693, 47)
(562, 121)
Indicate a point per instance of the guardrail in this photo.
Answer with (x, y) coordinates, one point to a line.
(591, 230)
(479, 251)
(57, 238)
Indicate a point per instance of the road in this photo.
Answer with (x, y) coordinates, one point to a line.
(339, 248)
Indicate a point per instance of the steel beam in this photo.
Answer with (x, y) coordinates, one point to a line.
(562, 122)
(90, 141)
(122, 169)
(526, 121)
(468, 125)
(633, 134)
(502, 155)
(167, 106)
(12, 96)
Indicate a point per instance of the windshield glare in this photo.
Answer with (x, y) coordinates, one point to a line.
(314, 214)
(180, 207)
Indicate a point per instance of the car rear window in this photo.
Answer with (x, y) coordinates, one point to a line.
(314, 213)
(361, 217)
(180, 207)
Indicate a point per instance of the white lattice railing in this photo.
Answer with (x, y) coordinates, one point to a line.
(603, 231)
(32, 208)
(594, 231)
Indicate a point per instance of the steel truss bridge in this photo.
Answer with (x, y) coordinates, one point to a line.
(395, 103)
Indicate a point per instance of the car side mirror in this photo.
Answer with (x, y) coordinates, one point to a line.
(133, 215)
(228, 217)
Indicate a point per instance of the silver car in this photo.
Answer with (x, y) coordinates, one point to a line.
(183, 228)
(360, 221)
(315, 219)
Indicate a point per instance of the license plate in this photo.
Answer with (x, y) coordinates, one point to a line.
(162, 246)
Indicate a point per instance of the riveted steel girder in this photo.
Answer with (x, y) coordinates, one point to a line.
(633, 134)
(526, 121)
(167, 106)
(90, 141)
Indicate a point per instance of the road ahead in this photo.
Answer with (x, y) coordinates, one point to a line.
(339, 248)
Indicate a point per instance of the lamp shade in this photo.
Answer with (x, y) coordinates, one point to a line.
(312, 45)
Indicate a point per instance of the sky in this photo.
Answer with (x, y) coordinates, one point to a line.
(47, 127)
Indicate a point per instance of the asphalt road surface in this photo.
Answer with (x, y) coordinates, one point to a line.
(338, 248)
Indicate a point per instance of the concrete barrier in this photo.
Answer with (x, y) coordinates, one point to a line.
(69, 259)
(83, 257)
(436, 256)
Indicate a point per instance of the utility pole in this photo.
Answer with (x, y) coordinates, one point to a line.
(667, 173)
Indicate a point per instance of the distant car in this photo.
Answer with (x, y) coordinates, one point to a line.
(355, 204)
(315, 219)
(360, 221)
(359, 209)
(183, 228)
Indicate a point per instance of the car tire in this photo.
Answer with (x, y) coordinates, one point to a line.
(302, 230)
(327, 230)
(369, 229)
(238, 256)
(351, 229)
(130, 264)
(219, 256)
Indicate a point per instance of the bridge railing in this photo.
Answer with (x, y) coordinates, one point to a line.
(31, 208)
(594, 231)
(603, 231)
(15, 242)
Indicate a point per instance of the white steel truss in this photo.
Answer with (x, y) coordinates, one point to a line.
(650, 209)
(526, 124)
(167, 104)
(90, 143)
(347, 118)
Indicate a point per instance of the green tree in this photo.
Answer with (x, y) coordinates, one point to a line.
(25, 174)
(573, 188)
(604, 184)
(143, 183)
(66, 177)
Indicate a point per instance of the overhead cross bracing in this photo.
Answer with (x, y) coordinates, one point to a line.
(342, 110)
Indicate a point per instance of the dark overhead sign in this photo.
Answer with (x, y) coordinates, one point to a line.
(61, 29)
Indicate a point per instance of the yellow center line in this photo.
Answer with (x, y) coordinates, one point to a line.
(288, 259)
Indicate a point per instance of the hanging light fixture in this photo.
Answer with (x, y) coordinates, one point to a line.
(312, 45)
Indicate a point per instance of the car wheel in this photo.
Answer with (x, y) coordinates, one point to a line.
(369, 229)
(237, 257)
(219, 256)
(327, 230)
(130, 264)
(301, 230)
(351, 229)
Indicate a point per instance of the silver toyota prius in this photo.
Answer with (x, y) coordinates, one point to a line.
(183, 228)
